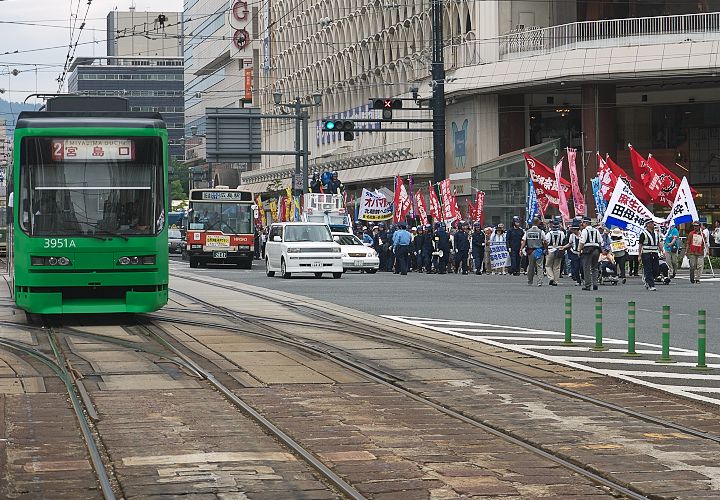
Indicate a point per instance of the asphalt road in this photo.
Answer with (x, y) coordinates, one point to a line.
(506, 300)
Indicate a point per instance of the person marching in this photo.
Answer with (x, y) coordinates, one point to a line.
(499, 237)
(428, 247)
(572, 245)
(478, 247)
(649, 241)
(696, 249)
(671, 247)
(462, 247)
(534, 244)
(556, 252)
(514, 242)
(590, 241)
(618, 247)
(442, 240)
(380, 244)
(417, 246)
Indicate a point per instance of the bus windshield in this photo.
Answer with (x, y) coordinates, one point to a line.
(78, 186)
(230, 218)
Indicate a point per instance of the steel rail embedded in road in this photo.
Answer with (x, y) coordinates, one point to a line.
(380, 378)
(61, 372)
(328, 474)
(435, 350)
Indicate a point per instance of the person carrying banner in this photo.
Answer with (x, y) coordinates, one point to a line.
(499, 236)
(696, 250)
(555, 252)
(514, 242)
(618, 247)
(572, 247)
(534, 244)
(671, 246)
(590, 241)
(649, 241)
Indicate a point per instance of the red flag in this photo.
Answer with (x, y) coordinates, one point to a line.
(563, 204)
(659, 182)
(480, 207)
(636, 187)
(401, 201)
(435, 210)
(420, 204)
(578, 197)
(546, 186)
(471, 210)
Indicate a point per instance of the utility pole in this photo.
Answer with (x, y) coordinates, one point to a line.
(438, 97)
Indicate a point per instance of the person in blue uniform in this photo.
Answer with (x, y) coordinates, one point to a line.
(401, 248)
(334, 186)
(443, 244)
(513, 239)
(462, 247)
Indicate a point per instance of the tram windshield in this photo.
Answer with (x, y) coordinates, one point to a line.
(91, 186)
(230, 218)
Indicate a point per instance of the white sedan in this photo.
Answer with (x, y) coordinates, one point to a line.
(355, 255)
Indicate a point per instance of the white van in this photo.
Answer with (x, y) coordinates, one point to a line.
(302, 247)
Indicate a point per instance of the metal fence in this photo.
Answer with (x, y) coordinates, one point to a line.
(609, 33)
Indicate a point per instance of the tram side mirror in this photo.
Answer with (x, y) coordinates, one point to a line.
(277, 239)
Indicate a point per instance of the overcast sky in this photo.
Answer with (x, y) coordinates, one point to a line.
(27, 25)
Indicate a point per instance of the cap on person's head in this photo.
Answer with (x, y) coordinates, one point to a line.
(413, 229)
(575, 224)
(696, 223)
(649, 221)
(616, 232)
(501, 226)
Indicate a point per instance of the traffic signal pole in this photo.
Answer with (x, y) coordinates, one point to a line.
(438, 97)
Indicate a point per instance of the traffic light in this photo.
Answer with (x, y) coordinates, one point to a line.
(387, 106)
(344, 126)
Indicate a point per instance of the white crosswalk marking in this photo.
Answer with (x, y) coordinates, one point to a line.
(678, 378)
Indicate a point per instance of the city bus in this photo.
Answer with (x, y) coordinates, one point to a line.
(220, 227)
(89, 209)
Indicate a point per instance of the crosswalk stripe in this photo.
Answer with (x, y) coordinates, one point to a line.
(677, 378)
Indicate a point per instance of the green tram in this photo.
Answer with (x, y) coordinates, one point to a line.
(89, 232)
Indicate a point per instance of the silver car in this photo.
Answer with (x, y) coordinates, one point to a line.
(176, 242)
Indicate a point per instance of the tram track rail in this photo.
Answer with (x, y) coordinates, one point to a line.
(60, 370)
(377, 376)
(387, 336)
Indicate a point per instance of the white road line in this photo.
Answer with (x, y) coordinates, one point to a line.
(685, 391)
(693, 376)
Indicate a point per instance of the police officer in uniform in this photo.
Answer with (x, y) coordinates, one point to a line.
(401, 247)
(556, 252)
(514, 242)
(534, 244)
(417, 246)
(649, 241)
(590, 241)
(478, 247)
(428, 247)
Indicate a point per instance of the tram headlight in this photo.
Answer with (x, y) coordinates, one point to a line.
(63, 261)
(134, 260)
(37, 260)
(137, 259)
(124, 261)
(52, 261)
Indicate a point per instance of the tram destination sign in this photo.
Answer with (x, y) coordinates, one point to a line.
(92, 150)
(222, 196)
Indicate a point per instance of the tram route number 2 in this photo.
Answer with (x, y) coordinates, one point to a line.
(59, 243)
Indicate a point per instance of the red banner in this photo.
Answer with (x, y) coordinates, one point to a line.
(471, 210)
(614, 172)
(421, 210)
(546, 186)
(562, 205)
(660, 183)
(449, 205)
(434, 205)
(578, 197)
(401, 203)
(480, 207)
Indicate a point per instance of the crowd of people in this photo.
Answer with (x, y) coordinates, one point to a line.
(589, 254)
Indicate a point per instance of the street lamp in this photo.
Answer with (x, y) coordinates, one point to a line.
(301, 124)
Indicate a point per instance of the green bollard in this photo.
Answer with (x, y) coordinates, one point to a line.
(665, 356)
(568, 321)
(598, 326)
(631, 330)
(701, 342)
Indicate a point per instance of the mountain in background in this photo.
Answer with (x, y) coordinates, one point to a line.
(10, 110)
